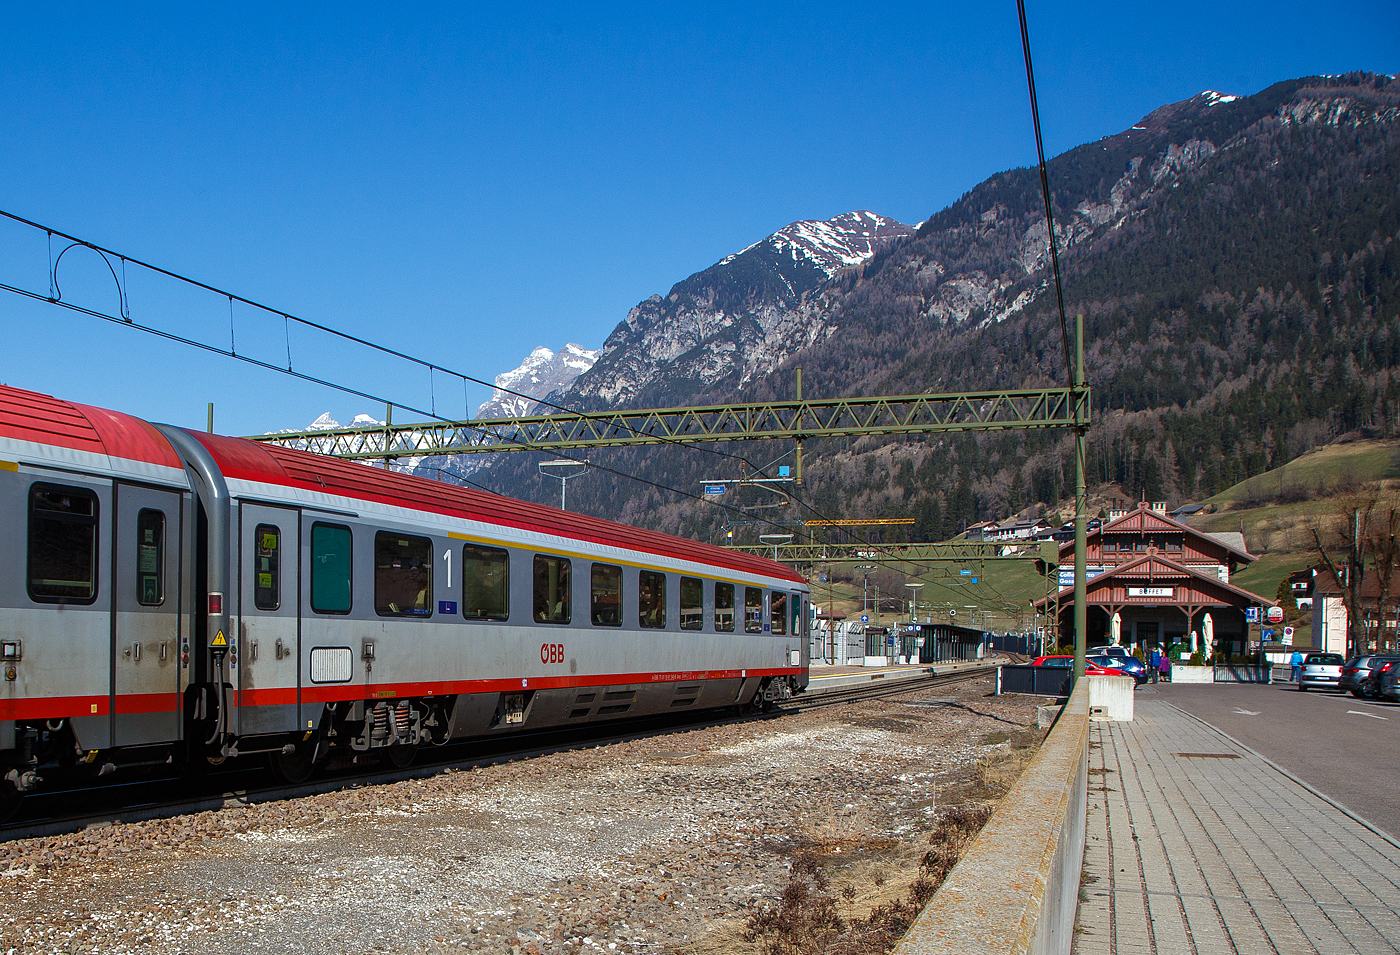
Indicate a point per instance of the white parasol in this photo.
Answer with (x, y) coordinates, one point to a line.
(1208, 625)
(1117, 629)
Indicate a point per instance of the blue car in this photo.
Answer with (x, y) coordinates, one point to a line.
(1132, 666)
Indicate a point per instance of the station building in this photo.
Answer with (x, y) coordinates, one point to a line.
(1162, 579)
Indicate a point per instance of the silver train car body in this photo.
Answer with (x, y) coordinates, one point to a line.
(172, 595)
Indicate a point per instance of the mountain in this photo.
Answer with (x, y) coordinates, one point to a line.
(733, 322)
(543, 371)
(1237, 259)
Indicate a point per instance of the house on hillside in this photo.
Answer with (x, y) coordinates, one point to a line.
(1161, 578)
(1014, 530)
(1330, 618)
(1300, 585)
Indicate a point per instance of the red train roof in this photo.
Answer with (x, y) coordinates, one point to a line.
(31, 416)
(241, 459)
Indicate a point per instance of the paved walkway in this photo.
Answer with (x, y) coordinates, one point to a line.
(1196, 845)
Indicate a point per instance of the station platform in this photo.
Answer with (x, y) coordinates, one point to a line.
(1196, 844)
(826, 678)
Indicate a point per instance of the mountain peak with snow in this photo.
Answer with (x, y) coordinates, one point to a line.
(543, 371)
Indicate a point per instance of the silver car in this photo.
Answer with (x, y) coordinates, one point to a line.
(1321, 670)
(1356, 671)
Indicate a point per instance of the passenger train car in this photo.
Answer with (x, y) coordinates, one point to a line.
(169, 595)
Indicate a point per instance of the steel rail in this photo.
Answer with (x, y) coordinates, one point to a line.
(565, 739)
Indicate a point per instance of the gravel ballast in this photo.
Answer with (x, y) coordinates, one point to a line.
(661, 844)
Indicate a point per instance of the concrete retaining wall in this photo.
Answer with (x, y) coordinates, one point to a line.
(1017, 888)
(1186, 674)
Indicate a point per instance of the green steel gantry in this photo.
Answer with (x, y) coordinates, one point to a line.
(969, 551)
(799, 420)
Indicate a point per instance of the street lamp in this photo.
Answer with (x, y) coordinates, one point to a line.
(914, 602)
(563, 478)
(775, 540)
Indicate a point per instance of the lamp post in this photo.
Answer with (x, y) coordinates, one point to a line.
(775, 540)
(914, 602)
(563, 478)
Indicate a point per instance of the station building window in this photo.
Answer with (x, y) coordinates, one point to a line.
(753, 610)
(724, 608)
(551, 579)
(62, 544)
(651, 599)
(267, 557)
(606, 595)
(485, 583)
(331, 552)
(692, 603)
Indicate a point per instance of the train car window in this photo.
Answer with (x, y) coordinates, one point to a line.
(777, 612)
(753, 610)
(485, 583)
(403, 575)
(724, 608)
(267, 567)
(651, 599)
(692, 603)
(150, 557)
(606, 591)
(330, 568)
(552, 590)
(62, 544)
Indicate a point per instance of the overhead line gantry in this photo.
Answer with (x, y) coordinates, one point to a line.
(801, 419)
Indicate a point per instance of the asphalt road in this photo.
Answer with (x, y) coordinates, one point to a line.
(1347, 748)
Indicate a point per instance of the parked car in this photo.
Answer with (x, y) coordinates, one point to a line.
(1132, 666)
(1322, 670)
(1065, 660)
(1120, 652)
(1381, 669)
(1387, 682)
(1357, 671)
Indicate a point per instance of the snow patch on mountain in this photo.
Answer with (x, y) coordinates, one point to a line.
(543, 372)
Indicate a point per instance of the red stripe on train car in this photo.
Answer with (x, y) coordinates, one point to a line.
(148, 703)
(345, 691)
(268, 696)
(53, 707)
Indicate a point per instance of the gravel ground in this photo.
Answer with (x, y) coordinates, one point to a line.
(655, 845)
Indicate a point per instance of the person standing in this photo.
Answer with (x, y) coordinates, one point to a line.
(1296, 662)
(1154, 661)
(1166, 668)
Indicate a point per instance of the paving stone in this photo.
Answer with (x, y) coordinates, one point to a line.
(1223, 855)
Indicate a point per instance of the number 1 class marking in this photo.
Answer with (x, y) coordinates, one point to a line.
(447, 556)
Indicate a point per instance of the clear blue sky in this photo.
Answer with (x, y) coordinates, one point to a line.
(465, 186)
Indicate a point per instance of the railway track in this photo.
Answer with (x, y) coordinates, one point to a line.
(53, 812)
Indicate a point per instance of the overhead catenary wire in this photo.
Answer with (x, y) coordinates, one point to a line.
(432, 367)
(1045, 190)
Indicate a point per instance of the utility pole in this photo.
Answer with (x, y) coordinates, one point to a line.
(1081, 425)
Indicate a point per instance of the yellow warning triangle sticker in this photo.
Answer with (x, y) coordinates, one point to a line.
(219, 640)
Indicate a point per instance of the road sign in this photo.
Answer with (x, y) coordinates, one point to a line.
(1268, 636)
(1275, 615)
(1251, 614)
(952, 613)
(865, 618)
(965, 573)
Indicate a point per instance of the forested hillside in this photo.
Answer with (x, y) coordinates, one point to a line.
(1236, 260)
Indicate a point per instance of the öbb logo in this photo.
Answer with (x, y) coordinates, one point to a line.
(551, 653)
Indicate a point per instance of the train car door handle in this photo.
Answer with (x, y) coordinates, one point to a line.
(162, 651)
(136, 653)
(281, 651)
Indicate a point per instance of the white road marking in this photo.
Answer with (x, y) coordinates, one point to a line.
(1371, 715)
(1246, 712)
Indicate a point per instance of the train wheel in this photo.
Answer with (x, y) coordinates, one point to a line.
(400, 757)
(10, 800)
(292, 768)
